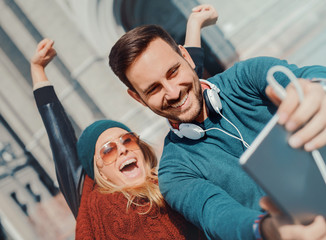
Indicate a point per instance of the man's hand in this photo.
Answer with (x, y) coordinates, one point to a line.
(309, 116)
(202, 16)
(278, 226)
(43, 55)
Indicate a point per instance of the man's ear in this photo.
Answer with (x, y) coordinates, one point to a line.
(186, 55)
(136, 96)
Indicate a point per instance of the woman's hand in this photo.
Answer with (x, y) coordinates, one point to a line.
(43, 55)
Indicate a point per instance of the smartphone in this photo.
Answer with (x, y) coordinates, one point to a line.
(290, 177)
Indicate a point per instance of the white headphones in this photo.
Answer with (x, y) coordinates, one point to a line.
(213, 103)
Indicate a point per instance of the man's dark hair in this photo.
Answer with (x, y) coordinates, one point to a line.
(132, 44)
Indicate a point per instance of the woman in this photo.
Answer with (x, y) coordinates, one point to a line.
(126, 202)
(123, 201)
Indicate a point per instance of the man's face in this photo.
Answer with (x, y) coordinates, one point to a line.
(166, 82)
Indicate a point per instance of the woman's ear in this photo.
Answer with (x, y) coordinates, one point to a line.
(186, 56)
(99, 165)
(98, 162)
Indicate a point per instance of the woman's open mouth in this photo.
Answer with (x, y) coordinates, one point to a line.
(130, 168)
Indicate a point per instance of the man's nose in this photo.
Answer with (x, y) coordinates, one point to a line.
(172, 91)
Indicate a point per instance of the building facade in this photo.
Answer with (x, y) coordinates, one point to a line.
(31, 206)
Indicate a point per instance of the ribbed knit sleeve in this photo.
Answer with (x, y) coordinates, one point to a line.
(105, 216)
(84, 229)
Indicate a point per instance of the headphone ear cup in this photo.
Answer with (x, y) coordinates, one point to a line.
(212, 101)
(188, 130)
(191, 131)
(208, 103)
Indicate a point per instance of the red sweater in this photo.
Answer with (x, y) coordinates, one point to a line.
(104, 216)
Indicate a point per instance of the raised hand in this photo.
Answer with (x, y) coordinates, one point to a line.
(44, 53)
(205, 15)
(201, 16)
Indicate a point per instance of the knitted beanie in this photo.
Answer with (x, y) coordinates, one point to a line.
(87, 141)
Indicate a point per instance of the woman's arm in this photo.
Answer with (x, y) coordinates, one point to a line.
(59, 129)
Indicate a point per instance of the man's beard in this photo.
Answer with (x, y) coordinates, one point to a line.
(192, 114)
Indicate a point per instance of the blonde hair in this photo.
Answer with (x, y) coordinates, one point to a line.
(149, 190)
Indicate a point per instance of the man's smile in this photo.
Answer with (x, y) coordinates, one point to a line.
(180, 103)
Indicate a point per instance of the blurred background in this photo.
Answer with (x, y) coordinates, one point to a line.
(31, 206)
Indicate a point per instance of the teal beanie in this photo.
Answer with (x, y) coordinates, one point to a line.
(87, 141)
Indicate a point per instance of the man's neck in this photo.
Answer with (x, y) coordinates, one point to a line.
(203, 114)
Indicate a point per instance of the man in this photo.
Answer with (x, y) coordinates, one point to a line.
(202, 178)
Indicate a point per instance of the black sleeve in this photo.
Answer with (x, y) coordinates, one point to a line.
(63, 145)
(197, 55)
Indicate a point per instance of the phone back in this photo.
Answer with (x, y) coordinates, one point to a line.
(290, 177)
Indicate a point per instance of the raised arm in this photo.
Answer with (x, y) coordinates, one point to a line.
(59, 129)
(201, 16)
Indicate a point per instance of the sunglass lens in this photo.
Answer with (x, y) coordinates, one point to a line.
(108, 152)
(130, 141)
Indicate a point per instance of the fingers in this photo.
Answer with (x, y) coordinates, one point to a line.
(46, 47)
(315, 230)
(317, 142)
(202, 7)
(302, 112)
(273, 96)
(313, 134)
(197, 9)
(286, 230)
(309, 115)
(267, 204)
(318, 226)
(204, 14)
(45, 43)
(288, 105)
(41, 44)
(44, 53)
(291, 232)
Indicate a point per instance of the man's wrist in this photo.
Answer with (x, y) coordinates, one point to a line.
(38, 67)
(257, 227)
(268, 229)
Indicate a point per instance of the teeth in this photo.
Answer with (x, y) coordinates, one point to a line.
(129, 161)
(176, 105)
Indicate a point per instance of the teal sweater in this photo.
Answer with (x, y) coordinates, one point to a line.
(202, 179)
